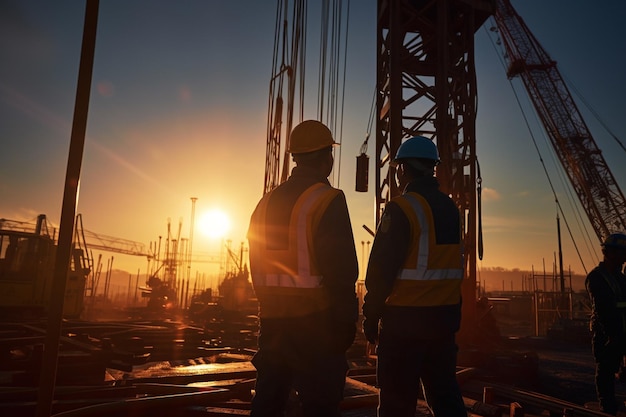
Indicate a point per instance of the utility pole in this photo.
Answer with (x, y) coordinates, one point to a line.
(191, 226)
(47, 377)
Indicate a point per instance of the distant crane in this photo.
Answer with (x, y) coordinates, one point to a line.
(582, 160)
(98, 241)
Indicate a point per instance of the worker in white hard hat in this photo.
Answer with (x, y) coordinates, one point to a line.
(412, 308)
(304, 268)
(606, 285)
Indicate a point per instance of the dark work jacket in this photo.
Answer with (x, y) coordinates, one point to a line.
(607, 320)
(389, 251)
(333, 242)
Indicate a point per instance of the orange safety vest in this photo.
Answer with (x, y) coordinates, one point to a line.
(432, 273)
(288, 282)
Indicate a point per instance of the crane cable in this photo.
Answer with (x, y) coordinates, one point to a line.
(331, 83)
(343, 89)
(299, 38)
(298, 63)
(331, 88)
(595, 114)
(370, 122)
(275, 101)
(556, 199)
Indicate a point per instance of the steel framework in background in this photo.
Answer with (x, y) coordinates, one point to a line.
(426, 85)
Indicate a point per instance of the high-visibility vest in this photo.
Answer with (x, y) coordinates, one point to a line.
(287, 282)
(432, 273)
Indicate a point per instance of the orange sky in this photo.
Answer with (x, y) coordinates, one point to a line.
(179, 110)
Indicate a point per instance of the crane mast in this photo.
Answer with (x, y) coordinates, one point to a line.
(582, 160)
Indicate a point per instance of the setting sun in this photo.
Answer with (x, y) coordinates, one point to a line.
(214, 223)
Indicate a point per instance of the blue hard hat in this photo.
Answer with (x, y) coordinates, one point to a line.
(417, 147)
(615, 240)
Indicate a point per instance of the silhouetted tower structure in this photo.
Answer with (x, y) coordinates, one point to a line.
(582, 160)
(426, 85)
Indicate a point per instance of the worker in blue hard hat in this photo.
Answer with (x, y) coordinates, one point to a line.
(412, 307)
(304, 268)
(606, 285)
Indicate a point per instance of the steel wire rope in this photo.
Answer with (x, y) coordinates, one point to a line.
(578, 216)
(568, 190)
(297, 61)
(337, 85)
(295, 70)
(567, 185)
(575, 207)
(301, 17)
(333, 68)
(275, 98)
(343, 89)
(326, 62)
(329, 72)
(370, 122)
(556, 199)
(595, 113)
(321, 76)
(271, 120)
(584, 101)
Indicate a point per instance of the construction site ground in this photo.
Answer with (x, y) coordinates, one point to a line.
(523, 375)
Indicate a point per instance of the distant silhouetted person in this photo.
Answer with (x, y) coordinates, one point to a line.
(413, 285)
(606, 285)
(304, 267)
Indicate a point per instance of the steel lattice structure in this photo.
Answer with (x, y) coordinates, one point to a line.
(426, 85)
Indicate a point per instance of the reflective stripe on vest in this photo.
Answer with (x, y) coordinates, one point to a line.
(294, 267)
(432, 273)
(424, 243)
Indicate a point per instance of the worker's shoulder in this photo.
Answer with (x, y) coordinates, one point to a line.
(596, 281)
(330, 190)
(596, 273)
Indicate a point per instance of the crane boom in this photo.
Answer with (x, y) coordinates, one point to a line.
(115, 244)
(582, 160)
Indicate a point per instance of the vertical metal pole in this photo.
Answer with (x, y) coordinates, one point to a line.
(561, 273)
(136, 287)
(48, 373)
(130, 285)
(363, 271)
(191, 227)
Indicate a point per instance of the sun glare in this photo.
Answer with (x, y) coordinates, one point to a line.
(214, 223)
